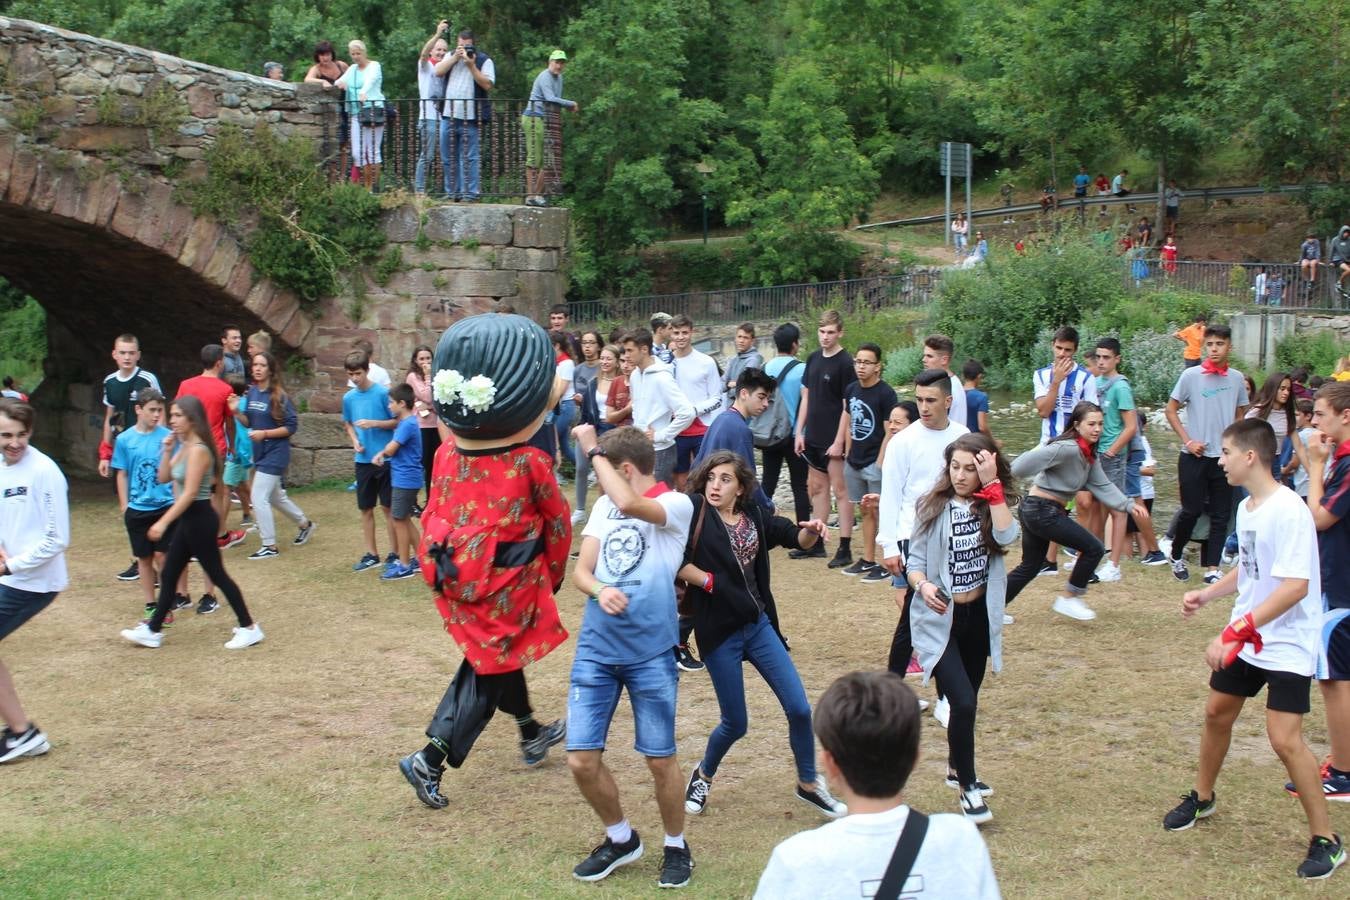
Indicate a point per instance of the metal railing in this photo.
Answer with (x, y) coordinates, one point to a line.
(779, 303)
(1237, 282)
(502, 147)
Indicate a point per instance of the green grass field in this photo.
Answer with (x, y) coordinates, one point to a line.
(194, 771)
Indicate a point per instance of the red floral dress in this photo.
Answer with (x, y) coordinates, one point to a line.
(509, 524)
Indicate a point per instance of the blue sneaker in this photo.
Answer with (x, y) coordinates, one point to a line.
(351, 488)
(369, 561)
(397, 571)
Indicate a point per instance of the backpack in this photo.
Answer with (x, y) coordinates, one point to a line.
(773, 426)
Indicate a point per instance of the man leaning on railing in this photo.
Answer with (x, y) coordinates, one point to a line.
(548, 87)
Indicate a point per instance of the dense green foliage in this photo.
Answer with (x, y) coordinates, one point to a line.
(1319, 351)
(804, 110)
(23, 336)
(308, 231)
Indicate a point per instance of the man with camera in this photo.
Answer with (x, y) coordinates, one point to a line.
(469, 75)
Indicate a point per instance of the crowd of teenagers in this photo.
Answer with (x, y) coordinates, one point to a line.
(676, 550)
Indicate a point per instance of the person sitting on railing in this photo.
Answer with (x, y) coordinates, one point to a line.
(547, 89)
(363, 82)
(469, 76)
(430, 94)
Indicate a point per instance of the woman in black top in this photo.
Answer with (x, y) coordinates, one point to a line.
(735, 618)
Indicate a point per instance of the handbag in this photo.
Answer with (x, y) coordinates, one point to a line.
(902, 860)
(680, 586)
(371, 115)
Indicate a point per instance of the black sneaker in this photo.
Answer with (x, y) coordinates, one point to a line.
(1179, 570)
(426, 781)
(859, 567)
(686, 661)
(131, 572)
(816, 552)
(984, 789)
(264, 552)
(181, 601)
(535, 750)
(1048, 568)
(876, 575)
(676, 867)
(1324, 857)
(33, 742)
(1188, 812)
(303, 536)
(207, 604)
(608, 857)
(973, 806)
(841, 559)
(696, 792)
(822, 801)
(1211, 578)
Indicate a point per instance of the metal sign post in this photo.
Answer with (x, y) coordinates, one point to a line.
(954, 159)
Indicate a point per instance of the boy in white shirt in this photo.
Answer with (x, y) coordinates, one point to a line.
(868, 727)
(1272, 642)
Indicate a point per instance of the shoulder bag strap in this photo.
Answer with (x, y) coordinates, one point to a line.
(698, 532)
(902, 860)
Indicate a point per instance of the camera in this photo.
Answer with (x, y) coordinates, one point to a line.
(470, 50)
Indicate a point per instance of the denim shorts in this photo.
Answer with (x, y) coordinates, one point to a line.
(593, 695)
(1133, 485)
(1114, 468)
(18, 606)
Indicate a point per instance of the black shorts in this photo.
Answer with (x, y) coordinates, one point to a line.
(816, 458)
(372, 484)
(138, 523)
(1285, 691)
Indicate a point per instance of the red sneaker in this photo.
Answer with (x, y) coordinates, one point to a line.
(914, 668)
(231, 539)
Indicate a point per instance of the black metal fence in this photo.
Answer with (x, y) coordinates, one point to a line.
(397, 131)
(1284, 286)
(778, 303)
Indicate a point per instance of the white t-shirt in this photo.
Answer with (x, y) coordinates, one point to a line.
(1275, 541)
(957, 412)
(377, 373)
(459, 90)
(1146, 489)
(429, 86)
(34, 523)
(846, 859)
(913, 463)
(1079, 385)
(640, 559)
(564, 371)
(1301, 473)
(698, 378)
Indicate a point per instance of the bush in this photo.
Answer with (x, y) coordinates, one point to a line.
(1152, 362)
(889, 327)
(1318, 351)
(902, 364)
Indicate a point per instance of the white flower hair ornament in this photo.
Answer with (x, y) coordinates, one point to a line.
(473, 394)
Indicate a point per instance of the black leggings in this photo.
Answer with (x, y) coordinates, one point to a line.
(959, 674)
(431, 441)
(196, 536)
(902, 644)
(1045, 522)
(513, 695)
(1204, 489)
(774, 457)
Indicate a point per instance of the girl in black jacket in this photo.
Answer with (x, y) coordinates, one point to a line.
(735, 618)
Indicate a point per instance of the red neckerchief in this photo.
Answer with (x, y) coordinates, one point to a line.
(656, 490)
(1088, 452)
(1342, 451)
(1209, 367)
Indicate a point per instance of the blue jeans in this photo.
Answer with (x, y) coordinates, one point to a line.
(429, 142)
(759, 644)
(562, 426)
(593, 695)
(459, 158)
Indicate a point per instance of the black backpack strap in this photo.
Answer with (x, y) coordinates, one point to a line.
(902, 860)
(786, 369)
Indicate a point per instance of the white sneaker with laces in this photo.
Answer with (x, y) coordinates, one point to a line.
(245, 637)
(942, 711)
(1109, 571)
(142, 635)
(578, 516)
(1073, 608)
(974, 807)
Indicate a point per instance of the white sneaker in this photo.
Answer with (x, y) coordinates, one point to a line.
(942, 711)
(974, 807)
(578, 516)
(1073, 608)
(923, 704)
(245, 637)
(1227, 559)
(1007, 619)
(1109, 571)
(142, 635)
(1165, 545)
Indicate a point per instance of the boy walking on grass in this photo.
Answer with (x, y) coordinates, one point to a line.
(404, 454)
(1272, 641)
(370, 425)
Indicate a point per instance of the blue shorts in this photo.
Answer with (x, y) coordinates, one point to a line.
(686, 448)
(593, 695)
(1133, 463)
(18, 606)
(1333, 657)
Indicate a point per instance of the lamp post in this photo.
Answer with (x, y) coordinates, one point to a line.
(705, 169)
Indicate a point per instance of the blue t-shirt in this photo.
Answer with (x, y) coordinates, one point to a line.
(789, 388)
(405, 466)
(641, 560)
(243, 446)
(1081, 181)
(137, 454)
(372, 403)
(1333, 544)
(977, 401)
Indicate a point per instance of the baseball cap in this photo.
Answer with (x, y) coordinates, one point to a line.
(557, 54)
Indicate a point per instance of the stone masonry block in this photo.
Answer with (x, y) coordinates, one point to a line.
(525, 259)
(319, 431)
(536, 227)
(484, 224)
(400, 224)
(478, 282)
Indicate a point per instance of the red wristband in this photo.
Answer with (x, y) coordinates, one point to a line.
(708, 584)
(992, 492)
(105, 451)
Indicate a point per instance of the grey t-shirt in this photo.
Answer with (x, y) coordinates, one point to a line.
(1211, 403)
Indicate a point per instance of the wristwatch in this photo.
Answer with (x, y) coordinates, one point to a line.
(595, 451)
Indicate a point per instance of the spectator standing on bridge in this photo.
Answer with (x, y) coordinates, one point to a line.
(1340, 256)
(363, 83)
(960, 228)
(1172, 207)
(547, 91)
(430, 95)
(469, 76)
